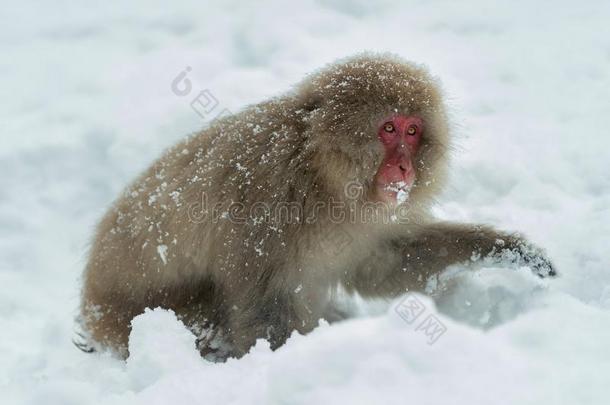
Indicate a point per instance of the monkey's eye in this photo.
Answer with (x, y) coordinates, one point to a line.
(388, 127)
(412, 130)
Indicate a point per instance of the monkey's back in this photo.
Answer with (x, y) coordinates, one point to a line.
(168, 233)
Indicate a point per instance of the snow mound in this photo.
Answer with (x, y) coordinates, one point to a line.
(159, 344)
(383, 359)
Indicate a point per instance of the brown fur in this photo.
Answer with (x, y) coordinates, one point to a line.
(266, 278)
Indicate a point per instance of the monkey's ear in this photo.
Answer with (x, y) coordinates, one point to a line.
(307, 98)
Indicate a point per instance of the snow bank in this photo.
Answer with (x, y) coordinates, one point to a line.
(545, 355)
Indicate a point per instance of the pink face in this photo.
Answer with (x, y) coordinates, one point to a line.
(400, 136)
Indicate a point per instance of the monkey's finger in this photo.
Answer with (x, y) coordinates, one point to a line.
(544, 268)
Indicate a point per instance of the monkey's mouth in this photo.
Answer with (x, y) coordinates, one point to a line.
(395, 180)
(396, 192)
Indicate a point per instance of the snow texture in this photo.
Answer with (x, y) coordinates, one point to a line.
(87, 103)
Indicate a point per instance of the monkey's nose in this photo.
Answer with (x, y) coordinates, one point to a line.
(406, 169)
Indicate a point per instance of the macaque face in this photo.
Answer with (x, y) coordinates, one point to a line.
(400, 136)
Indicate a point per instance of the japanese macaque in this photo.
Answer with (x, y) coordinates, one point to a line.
(246, 229)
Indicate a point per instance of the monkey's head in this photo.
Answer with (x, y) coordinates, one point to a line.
(380, 121)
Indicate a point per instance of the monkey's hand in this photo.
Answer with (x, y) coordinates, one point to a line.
(436, 246)
(407, 262)
(517, 250)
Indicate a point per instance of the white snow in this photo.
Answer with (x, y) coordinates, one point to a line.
(162, 252)
(87, 103)
(402, 190)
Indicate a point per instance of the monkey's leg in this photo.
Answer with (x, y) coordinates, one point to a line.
(272, 315)
(407, 262)
(106, 318)
(242, 323)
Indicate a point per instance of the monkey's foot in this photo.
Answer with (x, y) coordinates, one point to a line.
(82, 343)
(213, 346)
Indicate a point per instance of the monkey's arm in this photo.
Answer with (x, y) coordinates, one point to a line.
(406, 263)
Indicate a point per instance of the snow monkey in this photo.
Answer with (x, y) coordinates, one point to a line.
(247, 228)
